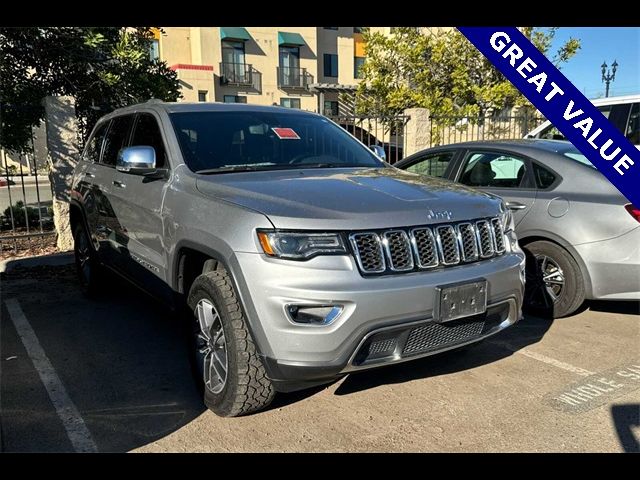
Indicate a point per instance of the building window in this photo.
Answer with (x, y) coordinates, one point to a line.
(290, 102)
(202, 95)
(234, 99)
(360, 29)
(330, 108)
(232, 52)
(358, 62)
(330, 28)
(154, 49)
(330, 65)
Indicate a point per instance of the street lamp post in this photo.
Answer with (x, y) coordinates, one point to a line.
(608, 76)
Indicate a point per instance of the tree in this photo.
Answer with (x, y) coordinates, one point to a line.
(103, 68)
(442, 71)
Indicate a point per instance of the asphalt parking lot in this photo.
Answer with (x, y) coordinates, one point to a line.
(112, 375)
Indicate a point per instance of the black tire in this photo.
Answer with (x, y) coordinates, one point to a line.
(539, 297)
(88, 268)
(247, 388)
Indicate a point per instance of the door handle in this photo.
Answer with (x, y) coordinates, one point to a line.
(119, 184)
(89, 174)
(516, 205)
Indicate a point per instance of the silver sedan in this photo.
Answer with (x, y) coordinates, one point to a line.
(581, 235)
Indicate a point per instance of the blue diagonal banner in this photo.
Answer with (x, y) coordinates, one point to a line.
(571, 112)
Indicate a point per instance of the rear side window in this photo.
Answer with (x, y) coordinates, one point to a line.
(633, 127)
(147, 133)
(616, 114)
(544, 178)
(116, 138)
(92, 152)
(434, 165)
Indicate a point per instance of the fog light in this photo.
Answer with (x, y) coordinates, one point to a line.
(314, 314)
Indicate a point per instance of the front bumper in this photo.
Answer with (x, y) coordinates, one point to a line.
(296, 355)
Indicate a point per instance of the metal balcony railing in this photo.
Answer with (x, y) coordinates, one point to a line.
(294, 77)
(236, 73)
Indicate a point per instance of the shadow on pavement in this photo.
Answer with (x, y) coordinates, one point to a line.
(630, 307)
(122, 359)
(624, 418)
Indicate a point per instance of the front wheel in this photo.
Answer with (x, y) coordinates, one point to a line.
(87, 265)
(554, 286)
(226, 365)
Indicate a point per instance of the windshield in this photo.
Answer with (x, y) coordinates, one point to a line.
(213, 142)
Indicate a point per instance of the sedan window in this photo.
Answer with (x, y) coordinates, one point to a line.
(489, 169)
(434, 165)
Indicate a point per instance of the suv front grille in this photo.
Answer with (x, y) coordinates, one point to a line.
(405, 250)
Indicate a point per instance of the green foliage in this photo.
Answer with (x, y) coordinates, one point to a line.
(104, 68)
(442, 71)
(20, 214)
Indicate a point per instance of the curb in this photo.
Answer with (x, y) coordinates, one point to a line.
(63, 258)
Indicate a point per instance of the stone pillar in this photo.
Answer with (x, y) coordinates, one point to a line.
(62, 143)
(417, 132)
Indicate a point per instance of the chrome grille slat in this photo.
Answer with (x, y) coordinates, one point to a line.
(424, 247)
(485, 238)
(398, 249)
(468, 242)
(498, 235)
(448, 248)
(419, 248)
(369, 254)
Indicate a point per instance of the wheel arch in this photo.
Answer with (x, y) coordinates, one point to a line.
(203, 253)
(560, 242)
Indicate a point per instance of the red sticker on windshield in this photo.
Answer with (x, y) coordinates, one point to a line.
(285, 133)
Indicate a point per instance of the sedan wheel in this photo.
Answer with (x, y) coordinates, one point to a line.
(554, 284)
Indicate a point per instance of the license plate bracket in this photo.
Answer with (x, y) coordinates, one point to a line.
(460, 300)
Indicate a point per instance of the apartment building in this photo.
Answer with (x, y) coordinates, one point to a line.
(312, 68)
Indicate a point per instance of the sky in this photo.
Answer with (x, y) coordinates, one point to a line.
(602, 44)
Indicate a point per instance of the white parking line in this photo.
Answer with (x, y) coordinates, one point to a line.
(548, 360)
(77, 431)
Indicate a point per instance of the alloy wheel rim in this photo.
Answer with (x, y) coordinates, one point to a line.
(211, 346)
(546, 284)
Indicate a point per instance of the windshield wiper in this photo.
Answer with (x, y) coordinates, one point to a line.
(238, 168)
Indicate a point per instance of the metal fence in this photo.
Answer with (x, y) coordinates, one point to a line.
(387, 132)
(455, 129)
(26, 215)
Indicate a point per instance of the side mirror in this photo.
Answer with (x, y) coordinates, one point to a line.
(379, 151)
(137, 160)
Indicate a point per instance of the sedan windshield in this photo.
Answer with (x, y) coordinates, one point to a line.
(218, 142)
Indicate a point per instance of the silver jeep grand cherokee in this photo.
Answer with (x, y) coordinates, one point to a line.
(300, 254)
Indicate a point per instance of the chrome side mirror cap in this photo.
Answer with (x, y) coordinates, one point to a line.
(379, 151)
(140, 160)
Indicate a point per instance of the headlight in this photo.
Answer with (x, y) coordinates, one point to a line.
(507, 218)
(298, 245)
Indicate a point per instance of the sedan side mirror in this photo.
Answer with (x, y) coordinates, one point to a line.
(139, 160)
(379, 151)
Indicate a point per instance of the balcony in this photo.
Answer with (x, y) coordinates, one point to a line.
(239, 74)
(294, 78)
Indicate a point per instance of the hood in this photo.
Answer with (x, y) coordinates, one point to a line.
(349, 198)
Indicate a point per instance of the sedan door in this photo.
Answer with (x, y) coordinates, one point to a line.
(502, 173)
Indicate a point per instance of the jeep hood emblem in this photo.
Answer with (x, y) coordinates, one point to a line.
(439, 215)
